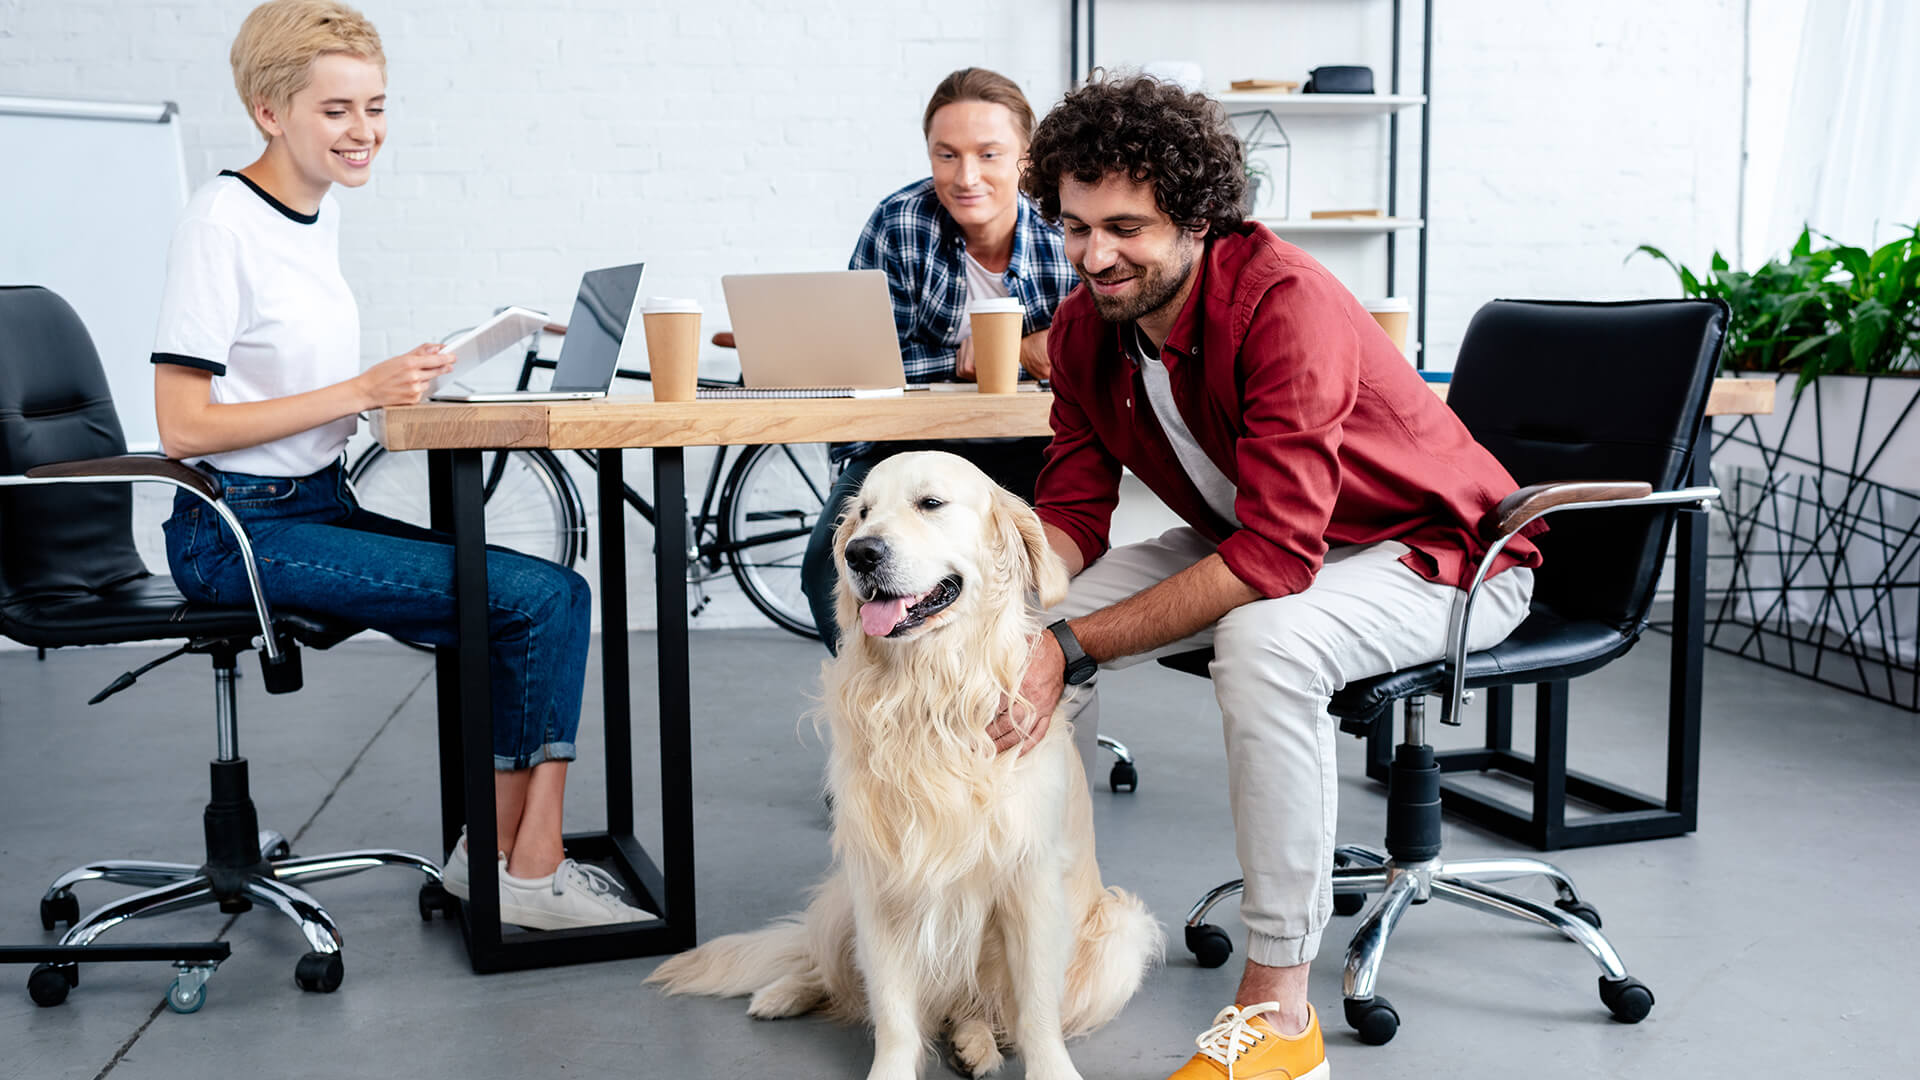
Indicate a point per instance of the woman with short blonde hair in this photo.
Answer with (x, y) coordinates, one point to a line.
(257, 380)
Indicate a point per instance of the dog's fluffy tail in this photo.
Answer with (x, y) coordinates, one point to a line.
(739, 964)
(1119, 943)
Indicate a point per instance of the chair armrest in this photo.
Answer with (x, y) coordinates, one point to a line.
(724, 339)
(132, 467)
(1518, 510)
(1534, 500)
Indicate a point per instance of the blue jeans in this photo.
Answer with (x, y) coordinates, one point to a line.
(1014, 464)
(321, 554)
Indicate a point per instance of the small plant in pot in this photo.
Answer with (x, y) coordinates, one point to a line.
(1259, 176)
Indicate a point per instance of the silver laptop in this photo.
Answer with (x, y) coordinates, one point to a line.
(591, 351)
(813, 335)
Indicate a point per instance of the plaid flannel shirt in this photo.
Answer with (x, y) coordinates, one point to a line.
(912, 237)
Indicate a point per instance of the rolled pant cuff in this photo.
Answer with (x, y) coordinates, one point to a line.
(553, 751)
(1282, 952)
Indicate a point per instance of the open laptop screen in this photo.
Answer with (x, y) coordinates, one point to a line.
(596, 328)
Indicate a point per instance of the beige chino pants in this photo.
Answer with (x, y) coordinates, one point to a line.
(1276, 663)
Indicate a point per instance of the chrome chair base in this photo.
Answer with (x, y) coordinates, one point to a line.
(1124, 776)
(275, 882)
(1361, 871)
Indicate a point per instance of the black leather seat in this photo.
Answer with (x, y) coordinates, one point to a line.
(1593, 407)
(70, 576)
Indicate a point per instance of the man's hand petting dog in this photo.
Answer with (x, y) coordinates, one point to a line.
(1024, 723)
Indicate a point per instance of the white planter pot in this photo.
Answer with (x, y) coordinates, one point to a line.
(1823, 497)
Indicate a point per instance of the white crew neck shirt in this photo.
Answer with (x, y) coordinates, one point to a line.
(982, 284)
(255, 296)
(1213, 484)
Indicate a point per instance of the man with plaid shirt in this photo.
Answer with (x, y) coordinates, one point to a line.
(963, 234)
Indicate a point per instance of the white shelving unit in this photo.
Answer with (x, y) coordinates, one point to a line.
(1266, 109)
(1362, 225)
(1298, 104)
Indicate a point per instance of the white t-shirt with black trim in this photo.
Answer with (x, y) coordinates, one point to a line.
(254, 295)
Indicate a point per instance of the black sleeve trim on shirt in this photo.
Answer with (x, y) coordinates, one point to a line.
(190, 361)
(290, 212)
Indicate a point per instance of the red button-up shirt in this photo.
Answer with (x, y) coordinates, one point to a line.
(1297, 395)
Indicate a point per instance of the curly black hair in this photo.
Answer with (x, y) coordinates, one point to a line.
(1153, 132)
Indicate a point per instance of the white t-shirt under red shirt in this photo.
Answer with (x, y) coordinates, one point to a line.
(254, 295)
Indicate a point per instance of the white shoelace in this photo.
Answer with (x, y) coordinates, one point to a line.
(1233, 1033)
(596, 881)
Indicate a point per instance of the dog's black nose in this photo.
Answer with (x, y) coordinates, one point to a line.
(865, 554)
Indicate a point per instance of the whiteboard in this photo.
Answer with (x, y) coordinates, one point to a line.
(91, 219)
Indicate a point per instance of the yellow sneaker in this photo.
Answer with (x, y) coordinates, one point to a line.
(1241, 1045)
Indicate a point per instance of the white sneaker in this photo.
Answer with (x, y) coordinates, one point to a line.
(572, 896)
(457, 877)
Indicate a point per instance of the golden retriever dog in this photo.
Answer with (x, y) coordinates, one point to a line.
(964, 900)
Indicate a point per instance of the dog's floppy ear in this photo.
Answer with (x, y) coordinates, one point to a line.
(1019, 528)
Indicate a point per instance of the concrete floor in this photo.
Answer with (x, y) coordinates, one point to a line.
(1779, 939)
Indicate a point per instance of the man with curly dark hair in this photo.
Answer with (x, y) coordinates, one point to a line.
(1331, 502)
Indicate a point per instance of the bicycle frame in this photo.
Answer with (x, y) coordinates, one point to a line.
(713, 552)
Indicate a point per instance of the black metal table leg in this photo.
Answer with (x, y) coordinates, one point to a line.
(676, 729)
(1684, 690)
(466, 724)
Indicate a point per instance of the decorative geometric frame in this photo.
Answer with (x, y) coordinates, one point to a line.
(1825, 532)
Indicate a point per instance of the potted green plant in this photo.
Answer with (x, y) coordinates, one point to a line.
(1259, 175)
(1819, 558)
(1832, 310)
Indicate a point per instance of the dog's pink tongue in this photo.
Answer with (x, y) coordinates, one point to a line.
(879, 617)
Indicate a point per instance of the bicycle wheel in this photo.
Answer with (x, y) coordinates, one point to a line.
(772, 498)
(532, 504)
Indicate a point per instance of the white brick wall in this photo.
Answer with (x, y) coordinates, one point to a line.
(531, 141)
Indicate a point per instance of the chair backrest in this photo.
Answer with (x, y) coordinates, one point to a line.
(1561, 390)
(55, 406)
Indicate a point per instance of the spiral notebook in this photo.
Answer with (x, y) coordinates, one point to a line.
(719, 393)
(817, 335)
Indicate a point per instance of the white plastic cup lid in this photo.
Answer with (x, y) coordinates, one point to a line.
(994, 305)
(667, 305)
(1391, 303)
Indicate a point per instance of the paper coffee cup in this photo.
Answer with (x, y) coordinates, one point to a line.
(1391, 313)
(996, 343)
(673, 346)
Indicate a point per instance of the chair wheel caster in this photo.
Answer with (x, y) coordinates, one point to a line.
(1581, 910)
(319, 973)
(1123, 777)
(64, 908)
(1372, 1019)
(1209, 945)
(185, 995)
(435, 897)
(48, 984)
(1627, 999)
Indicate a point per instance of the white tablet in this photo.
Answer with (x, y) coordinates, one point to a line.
(488, 340)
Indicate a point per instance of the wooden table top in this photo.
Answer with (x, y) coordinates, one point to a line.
(640, 421)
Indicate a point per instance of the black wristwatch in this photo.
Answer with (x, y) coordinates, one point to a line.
(1080, 666)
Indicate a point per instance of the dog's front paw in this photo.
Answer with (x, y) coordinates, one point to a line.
(789, 995)
(974, 1051)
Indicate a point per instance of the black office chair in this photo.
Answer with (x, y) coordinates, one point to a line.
(1591, 406)
(70, 575)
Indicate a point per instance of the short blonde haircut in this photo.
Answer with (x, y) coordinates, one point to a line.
(274, 52)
